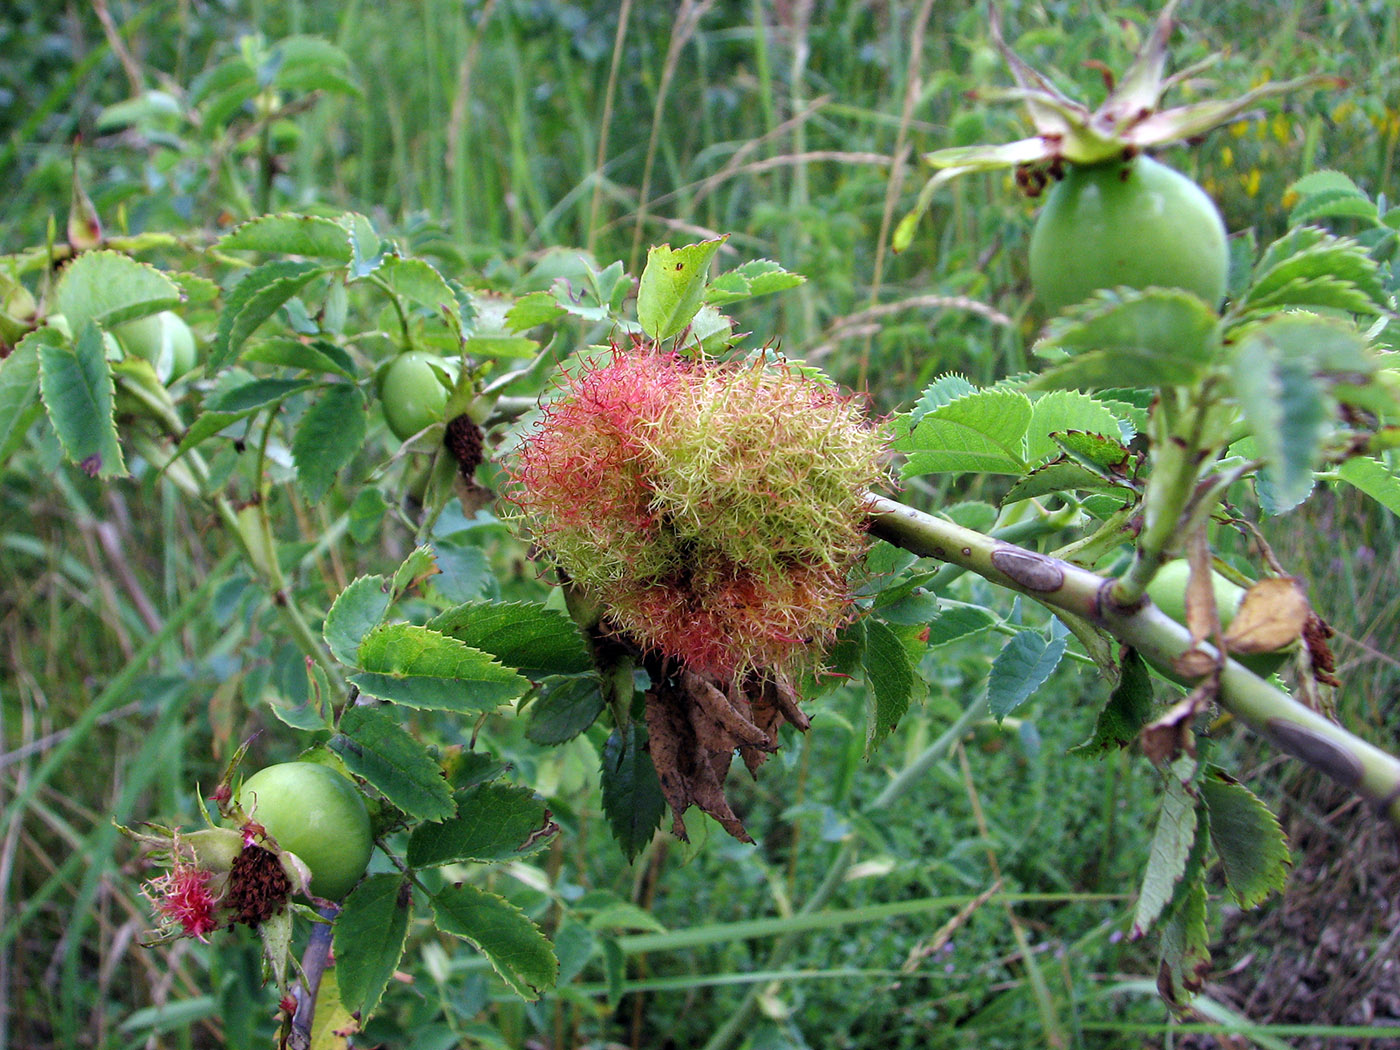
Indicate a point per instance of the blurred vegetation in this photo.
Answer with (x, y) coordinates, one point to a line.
(485, 133)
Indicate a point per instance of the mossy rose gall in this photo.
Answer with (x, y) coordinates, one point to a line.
(714, 510)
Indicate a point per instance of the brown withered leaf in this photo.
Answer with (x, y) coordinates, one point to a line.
(707, 792)
(1194, 663)
(769, 719)
(1202, 617)
(781, 694)
(671, 743)
(1272, 615)
(696, 722)
(1167, 737)
(724, 709)
(1324, 664)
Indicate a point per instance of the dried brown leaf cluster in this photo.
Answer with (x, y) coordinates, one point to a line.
(695, 724)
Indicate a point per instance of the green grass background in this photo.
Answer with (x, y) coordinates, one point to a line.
(486, 134)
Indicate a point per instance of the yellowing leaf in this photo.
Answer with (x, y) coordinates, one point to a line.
(333, 1025)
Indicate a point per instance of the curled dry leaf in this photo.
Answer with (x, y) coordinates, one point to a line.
(1272, 616)
(696, 722)
(1324, 664)
(1167, 737)
(1202, 615)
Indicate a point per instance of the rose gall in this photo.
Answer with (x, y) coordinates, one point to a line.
(714, 510)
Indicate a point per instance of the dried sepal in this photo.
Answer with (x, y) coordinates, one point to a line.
(215, 877)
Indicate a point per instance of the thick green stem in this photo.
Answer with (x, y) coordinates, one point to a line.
(1175, 466)
(1019, 532)
(1290, 726)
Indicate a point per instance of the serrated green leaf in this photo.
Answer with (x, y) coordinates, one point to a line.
(612, 285)
(357, 610)
(971, 514)
(1326, 345)
(306, 717)
(367, 514)
(943, 390)
(516, 948)
(76, 384)
(537, 308)
(1023, 664)
(492, 347)
(255, 394)
(1284, 402)
(983, 431)
(493, 822)
(206, 426)
(108, 288)
(710, 330)
(608, 912)
(1149, 338)
(319, 356)
(221, 92)
(467, 769)
(370, 933)
(1058, 475)
(149, 107)
(1185, 945)
(1171, 849)
(310, 236)
(1314, 293)
(1065, 410)
(327, 437)
(256, 298)
(19, 389)
(304, 64)
(418, 281)
(575, 945)
(1323, 181)
(421, 668)
(1129, 708)
(193, 287)
(1099, 452)
(958, 622)
(752, 279)
(331, 1019)
(915, 607)
(464, 571)
(673, 286)
(1335, 203)
(367, 251)
(890, 674)
(1247, 837)
(886, 561)
(374, 746)
(632, 796)
(420, 564)
(1372, 477)
(1311, 254)
(529, 637)
(1092, 462)
(565, 708)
